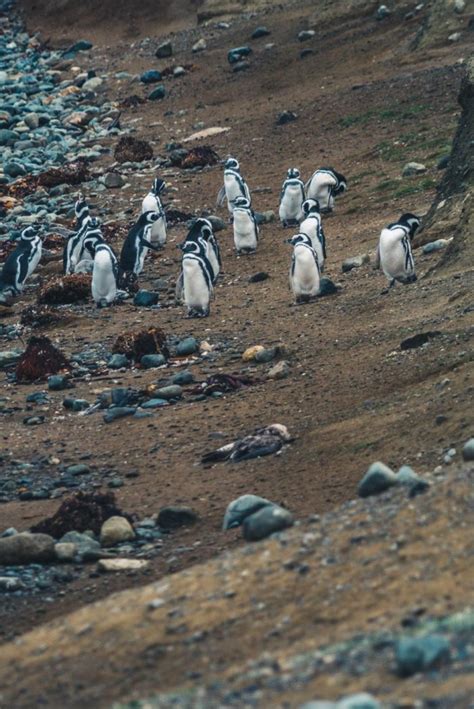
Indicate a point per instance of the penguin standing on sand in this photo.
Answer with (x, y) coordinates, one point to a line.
(312, 227)
(201, 233)
(234, 185)
(245, 227)
(104, 275)
(74, 245)
(291, 198)
(152, 203)
(198, 279)
(85, 252)
(304, 270)
(394, 250)
(136, 245)
(325, 185)
(21, 263)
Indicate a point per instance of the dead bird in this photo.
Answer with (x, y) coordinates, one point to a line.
(264, 441)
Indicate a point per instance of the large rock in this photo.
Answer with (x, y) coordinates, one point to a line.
(174, 517)
(243, 507)
(106, 565)
(26, 548)
(413, 655)
(468, 450)
(413, 168)
(378, 478)
(116, 530)
(130, 149)
(265, 522)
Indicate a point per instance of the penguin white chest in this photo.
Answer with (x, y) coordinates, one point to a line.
(396, 258)
(290, 205)
(245, 233)
(305, 278)
(233, 190)
(195, 287)
(104, 286)
(310, 227)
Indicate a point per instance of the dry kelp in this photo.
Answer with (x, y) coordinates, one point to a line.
(40, 359)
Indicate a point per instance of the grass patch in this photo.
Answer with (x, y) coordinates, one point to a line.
(364, 445)
(402, 113)
(426, 184)
(387, 185)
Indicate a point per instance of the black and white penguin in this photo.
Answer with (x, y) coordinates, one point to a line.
(304, 269)
(137, 243)
(394, 250)
(245, 227)
(201, 231)
(74, 246)
(91, 238)
(264, 441)
(291, 198)
(313, 227)
(324, 185)
(234, 185)
(21, 263)
(152, 203)
(104, 275)
(198, 279)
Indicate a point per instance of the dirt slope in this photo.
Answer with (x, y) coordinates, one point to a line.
(366, 105)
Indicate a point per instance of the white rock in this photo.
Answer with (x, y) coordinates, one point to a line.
(413, 168)
(459, 6)
(455, 37)
(116, 530)
(65, 551)
(122, 564)
(92, 84)
(200, 45)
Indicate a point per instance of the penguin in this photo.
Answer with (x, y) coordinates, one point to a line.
(104, 275)
(198, 279)
(21, 263)
(324, 185)
(85, 251)
(304, 270)
(136, 245)
(312, 227)
(291, 198)
(264, 441)
(394, 250)
(152, 203)
(245, 227)
(234, 185)
(73, 248)
(201, 232)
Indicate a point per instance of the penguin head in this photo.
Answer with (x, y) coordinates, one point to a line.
(342, 186)
(293, 173)
(241, 202)
(310, 206)
(279, 430)
(149, 217)
(190, 247)
(232, 164)
(94, 223)
(411, 221)
(29, 234)
(298, 239)
(158, 186)
(200, 227)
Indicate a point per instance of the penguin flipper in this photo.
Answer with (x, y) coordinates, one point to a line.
(221, 197)
(220, 454)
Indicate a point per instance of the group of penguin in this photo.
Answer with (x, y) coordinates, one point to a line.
(301, 205)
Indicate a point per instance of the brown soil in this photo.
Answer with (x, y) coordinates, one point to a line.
(365, 105)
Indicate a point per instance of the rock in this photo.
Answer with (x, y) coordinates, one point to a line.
(117, 361)
(152, 76)
(130, 149)
(75, 404)
(145, 298)
(243, 507)
(164, 50)
(306, 52)
(32, 120)
(152, 360)
(251, 352)
(468, 450)
(116, 530)
(172, 391)
(107, 565)
(14, 169)
(92, 84)
(158, 93)
(65, 551)
(26, 548)
(377, 479)
(355, 262)
(259, 277)
(459, 6)
(327, 287)
(179, 71)
(10, 584)
(413, 168)
(279, 371)
(382, 12)
(217, 223)
(286, 117)
(443, 162)
(183, 378)
(87, 548)
(78, 469)
(318, 705)
(8, 357)
(241, 66)
(187, 347)
(174, 517)
(81, 46)
(265, 217)
(118, 412)
(418, 340)
(237, 54)
(416, 484)
(413, 655)
(199, 46)
(7, 137)
(304, 35)
(57, 382)
(455, 37)
(112, 180)
(260, 32)
(359, 701)
(265, 522)
(437, 245)
(154, 403)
